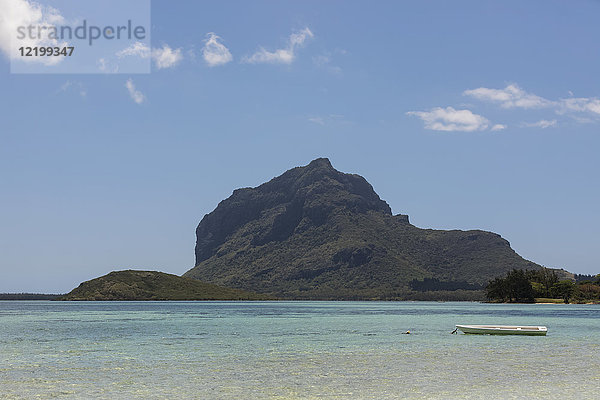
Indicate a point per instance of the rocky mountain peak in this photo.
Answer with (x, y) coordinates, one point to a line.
(299, 198)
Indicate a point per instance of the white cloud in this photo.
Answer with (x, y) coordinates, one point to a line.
(511, 96)
(581, 104)
(164, 57)
(448, 119)
(135, 94)
(17, 13)
(138, 49)
(214, 52)
(543, 123)
(281, 56)
(498, 127)
(298, 38)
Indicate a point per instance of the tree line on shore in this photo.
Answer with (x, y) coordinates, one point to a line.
(28, 296)
(525, 286)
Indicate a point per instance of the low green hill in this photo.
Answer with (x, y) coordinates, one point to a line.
(152, 285)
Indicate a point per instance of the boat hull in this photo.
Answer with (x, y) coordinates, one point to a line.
(503, 330)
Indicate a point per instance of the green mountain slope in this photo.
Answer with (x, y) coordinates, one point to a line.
(317, 233)
(152, 285)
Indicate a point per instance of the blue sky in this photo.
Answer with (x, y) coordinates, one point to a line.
(464, 115)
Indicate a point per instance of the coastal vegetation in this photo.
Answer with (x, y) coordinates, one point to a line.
(543, 285)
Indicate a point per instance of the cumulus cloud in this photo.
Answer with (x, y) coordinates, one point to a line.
(580, 104)
(543, 123)
(16, 13)
(285, 55)
(214, 52)
(135, 94)
(448, 119)
(511, 96)
(580, 109)
(164, 57)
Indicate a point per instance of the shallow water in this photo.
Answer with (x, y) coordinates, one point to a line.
(289, 350)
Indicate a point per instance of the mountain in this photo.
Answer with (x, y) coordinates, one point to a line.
(317, 233)
(152, 285)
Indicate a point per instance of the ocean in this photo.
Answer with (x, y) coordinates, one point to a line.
(294, 350)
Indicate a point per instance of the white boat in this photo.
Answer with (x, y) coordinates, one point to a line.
(503, 330)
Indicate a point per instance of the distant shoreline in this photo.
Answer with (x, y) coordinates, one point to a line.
(29, 296)
(56, 297)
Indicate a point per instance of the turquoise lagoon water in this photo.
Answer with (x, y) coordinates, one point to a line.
(293, 350)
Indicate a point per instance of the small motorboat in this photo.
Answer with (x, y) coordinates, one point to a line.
(503, 330)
